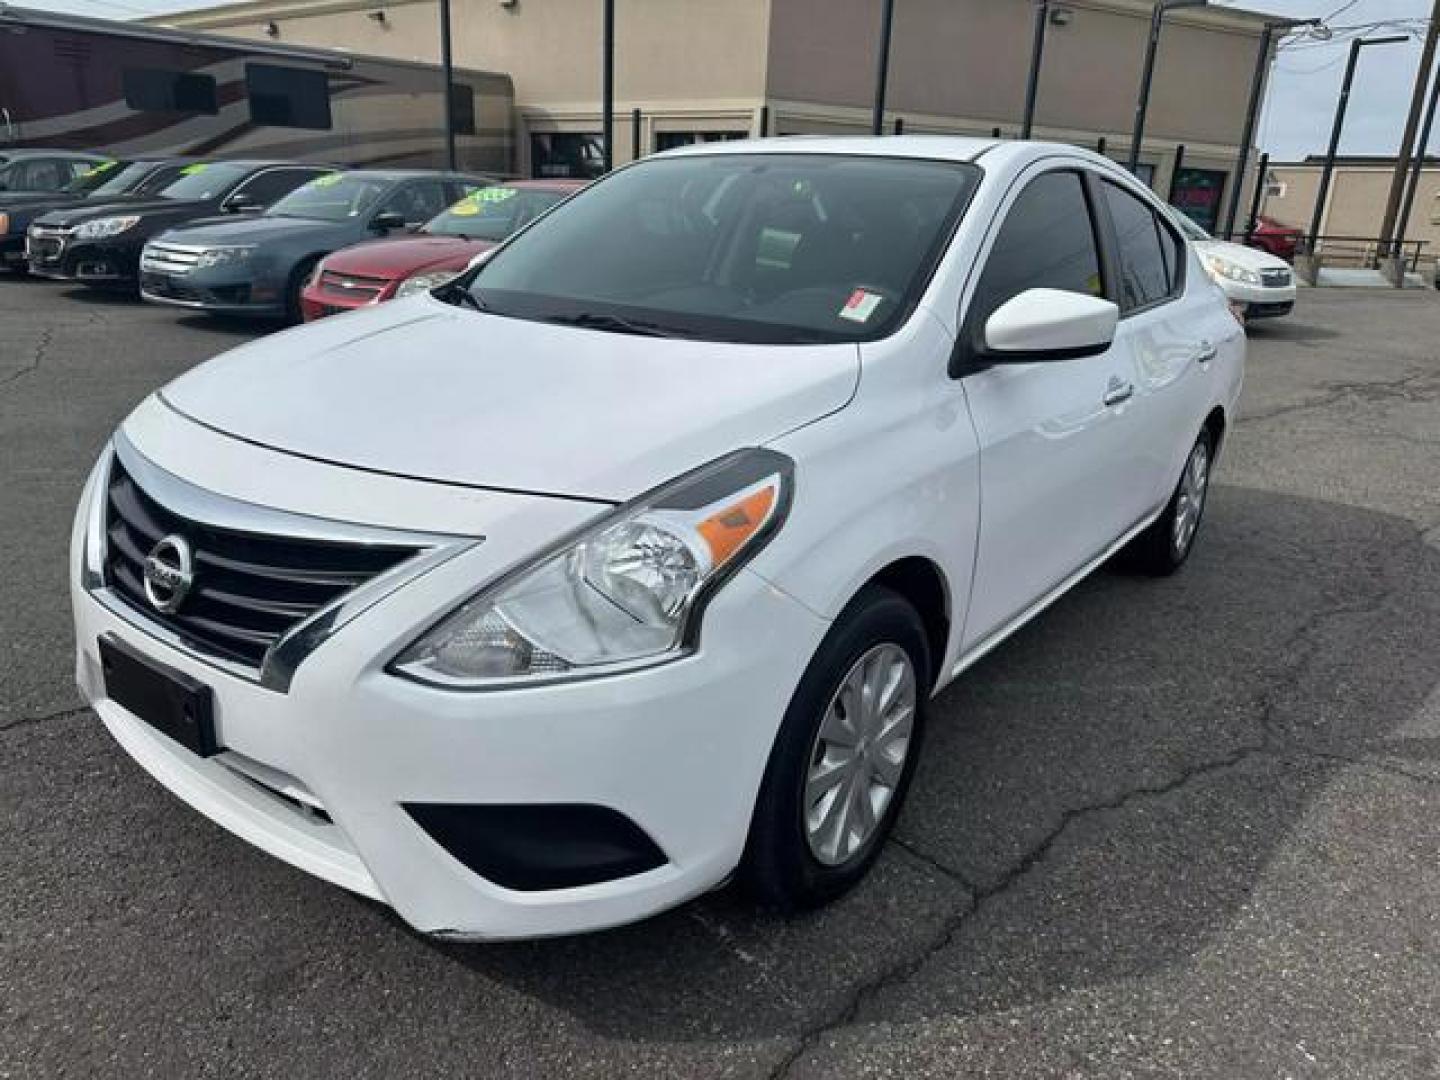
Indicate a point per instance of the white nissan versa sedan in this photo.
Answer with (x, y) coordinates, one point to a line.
(626, 562)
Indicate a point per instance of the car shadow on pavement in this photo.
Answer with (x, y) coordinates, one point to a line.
(1097, 800)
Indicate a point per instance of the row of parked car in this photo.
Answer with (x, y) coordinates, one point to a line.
(275, 239)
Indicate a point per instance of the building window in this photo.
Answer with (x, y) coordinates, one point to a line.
(566, 154)
(462, 108)
(157, 90)
(669, 140)
(288, 97)
(1196, 194)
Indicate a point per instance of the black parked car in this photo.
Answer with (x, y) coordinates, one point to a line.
(259, 265)
(101, 245)
(43, 170)
(100, 185)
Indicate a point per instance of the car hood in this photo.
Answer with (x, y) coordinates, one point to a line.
(406, 255)
(1248, 257)
(145, 207)
(420, 389)
(259, 229)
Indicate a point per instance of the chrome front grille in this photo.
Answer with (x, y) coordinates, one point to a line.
(45, 243)
(352, 286)
(247, 590)
(169, 258)
(1275, 277)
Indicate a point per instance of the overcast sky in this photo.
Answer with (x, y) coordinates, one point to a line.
(1303, 90)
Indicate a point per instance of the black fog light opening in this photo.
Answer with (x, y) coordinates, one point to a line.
(530, 848)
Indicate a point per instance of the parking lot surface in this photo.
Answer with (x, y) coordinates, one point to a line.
(1186, 827)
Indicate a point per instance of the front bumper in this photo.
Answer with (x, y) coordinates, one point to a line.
(227, 292)
(87, 262)
(1258, 301)
(320, 775)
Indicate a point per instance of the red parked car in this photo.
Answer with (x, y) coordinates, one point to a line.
(384, 269)
(1279, 240)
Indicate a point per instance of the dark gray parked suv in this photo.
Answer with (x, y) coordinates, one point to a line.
(259, 264)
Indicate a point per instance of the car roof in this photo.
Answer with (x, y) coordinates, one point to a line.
(552, 184)
(414, 174)
(943, 147)
(19, 153)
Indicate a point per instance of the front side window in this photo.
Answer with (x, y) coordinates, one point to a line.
(105, 177)
(493, 213)
(1145, 267)
(416, 202)
(774, 248)
(288, 97)
(1047, 241)
(333, 197)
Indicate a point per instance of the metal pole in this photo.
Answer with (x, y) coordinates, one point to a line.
(1037, 53)
(882, 67)
(1263, 166)
(899, 125)
(447, 70)
(1340, 107)
(995, 133)
(634, 134)
(764, 121)
(1147, 74)
(1100, 146)
(607, 84)
(1412, 121)
(1175, 171)
(1247, 137)
(1417, 164)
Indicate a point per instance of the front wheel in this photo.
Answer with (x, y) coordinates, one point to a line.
(1163, 547)
(843, 759)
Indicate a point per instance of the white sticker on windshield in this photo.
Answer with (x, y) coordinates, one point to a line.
(860, 306)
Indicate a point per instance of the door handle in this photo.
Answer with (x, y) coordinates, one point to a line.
(1206, 353)
(1118, 391)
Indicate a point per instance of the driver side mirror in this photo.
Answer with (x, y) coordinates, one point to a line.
(388, 220)
(243, 204)
(1049, 324)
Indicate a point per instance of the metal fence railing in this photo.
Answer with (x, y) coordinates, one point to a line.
(1360, 250)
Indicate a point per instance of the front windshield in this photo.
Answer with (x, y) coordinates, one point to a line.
(205, 180)
(1187, 226)
(774, 248)
(98, 178)
(333, 197)
(493, 213)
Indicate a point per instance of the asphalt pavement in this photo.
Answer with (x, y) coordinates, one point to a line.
(1177, 828)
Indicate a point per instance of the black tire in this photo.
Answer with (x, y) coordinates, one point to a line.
(298, 277)
(779, 868)
(1156, 551)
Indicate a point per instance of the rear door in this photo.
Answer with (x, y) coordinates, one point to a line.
(1165, 336)
(1051, 433)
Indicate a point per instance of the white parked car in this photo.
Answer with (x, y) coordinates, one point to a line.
(628, 561)
(1258, 284)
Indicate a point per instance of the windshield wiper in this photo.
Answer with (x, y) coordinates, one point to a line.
(594, 320)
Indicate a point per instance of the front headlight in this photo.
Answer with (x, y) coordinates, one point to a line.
(105, 226)
(424, 282)
(224, 256)
(627, 592)
(1221, 267)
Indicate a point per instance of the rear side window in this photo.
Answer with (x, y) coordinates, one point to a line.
(266, 187)
(1149, 264)
(288, 97)
(1046, 242)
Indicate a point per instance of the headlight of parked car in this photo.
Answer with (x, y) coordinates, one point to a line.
(424, 282)
(224, 256)
(105, 226)
(627, 592)
(1221, 267)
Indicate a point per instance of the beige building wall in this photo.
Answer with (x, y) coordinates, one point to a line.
(1356, 202)
(711, 65)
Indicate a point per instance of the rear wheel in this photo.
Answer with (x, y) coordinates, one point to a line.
(844, 757)
(1163, 547)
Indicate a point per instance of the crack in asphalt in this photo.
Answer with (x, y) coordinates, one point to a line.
(1375, 390)
(1304, 640)
(31, 721)
(37, 357)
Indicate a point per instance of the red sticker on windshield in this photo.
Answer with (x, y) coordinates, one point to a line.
(860, 306)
